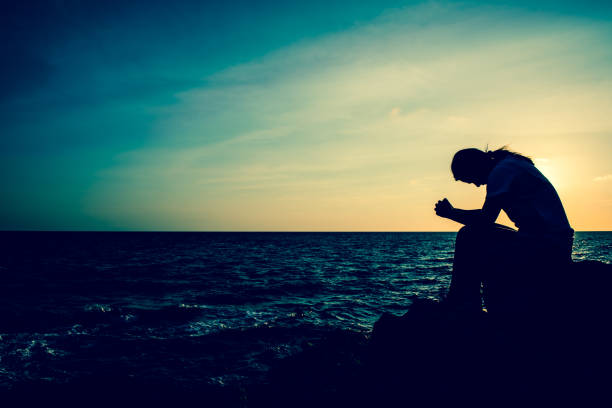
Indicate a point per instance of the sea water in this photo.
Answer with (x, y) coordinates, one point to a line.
(205, 308)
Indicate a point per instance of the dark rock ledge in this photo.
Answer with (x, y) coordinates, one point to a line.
(550, 344)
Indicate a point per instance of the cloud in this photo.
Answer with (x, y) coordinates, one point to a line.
(432, 75)
(607, 177)
(395, 112)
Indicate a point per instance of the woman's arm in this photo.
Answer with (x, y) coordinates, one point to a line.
(486, 215)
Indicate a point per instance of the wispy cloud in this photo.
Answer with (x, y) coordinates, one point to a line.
(607, 177)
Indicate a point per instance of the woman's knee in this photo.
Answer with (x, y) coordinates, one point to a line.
(480, 236)
(493, 231)
(467, 232)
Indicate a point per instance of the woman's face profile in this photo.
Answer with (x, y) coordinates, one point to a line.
(475, 177)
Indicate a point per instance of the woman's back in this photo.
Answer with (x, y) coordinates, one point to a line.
(528, 198)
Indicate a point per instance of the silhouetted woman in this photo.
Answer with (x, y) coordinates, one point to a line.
(490, 253)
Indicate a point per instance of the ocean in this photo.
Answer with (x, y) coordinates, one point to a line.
(205, 308)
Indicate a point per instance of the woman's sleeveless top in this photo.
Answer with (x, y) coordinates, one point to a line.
(528, 198)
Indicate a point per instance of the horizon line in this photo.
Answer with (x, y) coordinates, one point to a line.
(248, 231)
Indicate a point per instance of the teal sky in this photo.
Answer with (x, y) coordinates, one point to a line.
(273, 116)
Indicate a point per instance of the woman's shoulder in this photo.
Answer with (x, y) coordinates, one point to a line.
(509, 166)
(519, 173)
(510, 171)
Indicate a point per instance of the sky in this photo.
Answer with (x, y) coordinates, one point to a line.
(279, 116)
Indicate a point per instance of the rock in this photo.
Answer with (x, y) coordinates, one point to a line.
(560, 352)
(435, 356)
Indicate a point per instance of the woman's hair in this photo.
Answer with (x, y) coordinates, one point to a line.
(504, 152)
(473, 161)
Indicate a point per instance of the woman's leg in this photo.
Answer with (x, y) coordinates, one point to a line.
(477, 251)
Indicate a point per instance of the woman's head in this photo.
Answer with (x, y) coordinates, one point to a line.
(471, 166)
(474, 165)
